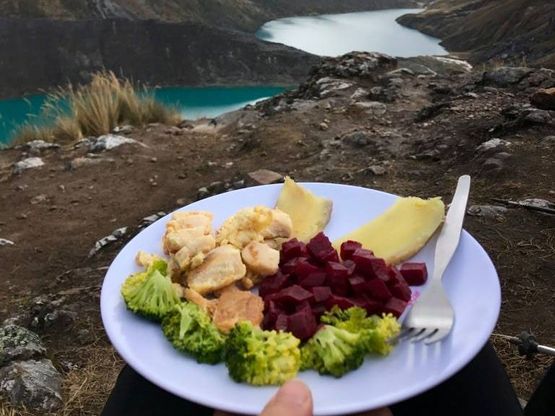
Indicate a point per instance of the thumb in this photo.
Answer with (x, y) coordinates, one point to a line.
(292, 399)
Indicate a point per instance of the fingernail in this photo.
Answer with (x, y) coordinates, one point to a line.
(293, 392)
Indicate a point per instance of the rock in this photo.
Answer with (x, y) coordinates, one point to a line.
(359, 93)
(430, 111)
(505, 76)
(151, 218)
(355, 64)
(35, 384)
(472, 95)
(4, 242)
(356, 139)
(540, 78)
(108, 142)
(544, 99)
(18, 343)
(537, 202)
(376, 170)
(537, 117)
(36, 146)
(38, 199)
(493, 164)
(174, 131)
(104, 241)
(372, 107)
(202, 192)
(548, 139)
(503, 155)
(399, 72)
(323, 126)
(487, 211)
(433, 65)
(125, 129)
(330, 86)
(79, 162)
(29, 163)
(265, 176)
(492, 144)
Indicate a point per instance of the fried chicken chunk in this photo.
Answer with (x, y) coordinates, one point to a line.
(236, 305)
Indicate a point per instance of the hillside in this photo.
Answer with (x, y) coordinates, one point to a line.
(237, 14)
(513, 31)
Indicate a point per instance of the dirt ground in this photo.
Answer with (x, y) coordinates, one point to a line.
(56, 213)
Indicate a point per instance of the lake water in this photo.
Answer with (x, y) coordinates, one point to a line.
(336, 34)
(192, 102)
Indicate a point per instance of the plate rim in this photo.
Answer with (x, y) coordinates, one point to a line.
(208, 401)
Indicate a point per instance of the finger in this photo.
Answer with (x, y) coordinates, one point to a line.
(292, 399)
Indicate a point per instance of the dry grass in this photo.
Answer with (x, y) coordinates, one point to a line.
(74, 112)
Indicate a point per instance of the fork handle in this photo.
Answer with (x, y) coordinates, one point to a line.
(450, 234)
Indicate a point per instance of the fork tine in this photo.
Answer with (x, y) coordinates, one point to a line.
(416, 334)
(438, 336)
(425, 333)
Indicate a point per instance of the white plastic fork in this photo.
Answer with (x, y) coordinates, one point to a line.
(431, 317)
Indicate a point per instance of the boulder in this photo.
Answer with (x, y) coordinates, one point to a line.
(544, 99)
(35, 384)
(492, 145)
(505, 76)
(356, 139)
(108, 142)
(372, 107)
(25, 164)
(18, 343)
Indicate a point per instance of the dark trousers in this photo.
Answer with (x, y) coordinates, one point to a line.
(482, 388)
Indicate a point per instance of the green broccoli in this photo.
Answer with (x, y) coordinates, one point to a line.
(261, 357)
(377, 332)
(191, 330)
(333, 351)
(150, 293)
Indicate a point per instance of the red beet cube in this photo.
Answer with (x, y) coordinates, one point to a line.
(302, 323)
(318, 311)
(273, 283)
(292, 249)
(302, 305)
(320, 248)
(414, 273)
(401, 291)
(334, 269)
(282, 322)
(371, 306)
(338, 284)
(293, 294)
(340, 301)
(290, 265)
(321, 293)
(303, 268)
(368, 265)
(348, 248)
(377, 289)
(395, 276)
(313, 279)
(272, 310)
(358, 284)
(395, 306)
(350, 265)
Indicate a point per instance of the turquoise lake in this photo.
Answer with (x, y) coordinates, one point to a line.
(336, 34)
(192, 102)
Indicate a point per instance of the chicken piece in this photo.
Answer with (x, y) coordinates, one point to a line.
(185, 226)
(244, 226)
(237, 305)
(194, 249)
(146, 259)
(207, 305)
(281, 225)
(222, 266)
(260, 258)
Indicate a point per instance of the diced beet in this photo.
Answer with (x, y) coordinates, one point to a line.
(340, 301)
(348, 248)
(334, 269)
(313, 279)
(302, 305)
(289, 267)
(395, 306)
(303, 268)
(365, 260)
(320, 248)
(379, 267)
(394, 276)
(273, 283)
(318, 311)
(377, 289)
(401, 291)
(293, 294)
(282, 322)
(350, 265)
(302, 324)
(292, 249)
(321, 293)
(370, 305)
(358, 284)
(339, 285)
(272, 311)
(414, 273)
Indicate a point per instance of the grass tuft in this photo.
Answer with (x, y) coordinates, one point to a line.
(94, 109)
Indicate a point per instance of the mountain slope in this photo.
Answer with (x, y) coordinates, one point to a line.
(507, 30)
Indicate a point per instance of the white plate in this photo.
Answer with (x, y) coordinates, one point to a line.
(470, 280)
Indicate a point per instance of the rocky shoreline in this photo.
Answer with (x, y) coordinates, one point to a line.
(408, 127)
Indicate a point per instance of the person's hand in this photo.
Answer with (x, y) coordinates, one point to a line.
(294, 399)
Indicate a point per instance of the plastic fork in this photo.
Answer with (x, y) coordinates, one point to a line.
(431, 317)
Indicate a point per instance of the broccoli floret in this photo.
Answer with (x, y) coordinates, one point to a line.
(150, 293)
(333, 351)
(191, 330)
(261, 357)
(377, 332)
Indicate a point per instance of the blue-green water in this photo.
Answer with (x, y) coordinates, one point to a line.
(336, 34)
(192, 102)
